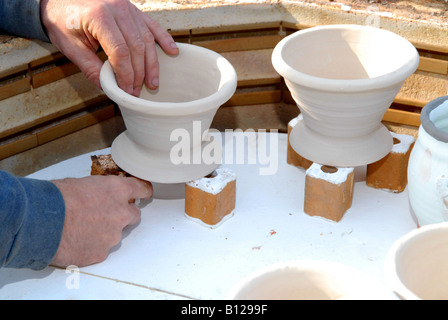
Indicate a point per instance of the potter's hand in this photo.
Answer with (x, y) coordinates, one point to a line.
(97, 210)
(127, 35)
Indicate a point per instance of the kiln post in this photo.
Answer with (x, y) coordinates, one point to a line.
(391, 172)
(328, 191)
(211, 200)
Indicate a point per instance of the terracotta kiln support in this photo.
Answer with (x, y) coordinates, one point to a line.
(211, 200)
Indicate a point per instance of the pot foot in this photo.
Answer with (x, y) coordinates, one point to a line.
(155, 166)
(340, 152)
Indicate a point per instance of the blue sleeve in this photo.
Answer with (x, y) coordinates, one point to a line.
(22, 18)
(32, 214)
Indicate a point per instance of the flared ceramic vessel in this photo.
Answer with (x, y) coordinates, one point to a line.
(343, 79)
(428, 165)
(192, 86)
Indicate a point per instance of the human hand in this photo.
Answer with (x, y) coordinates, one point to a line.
(97, 210)
(127, 35)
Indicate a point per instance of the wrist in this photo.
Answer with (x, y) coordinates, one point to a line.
(43, 5)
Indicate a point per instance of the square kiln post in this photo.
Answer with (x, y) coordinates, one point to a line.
(391, 172)
(328, 191)
(211, 200)
(292, 157)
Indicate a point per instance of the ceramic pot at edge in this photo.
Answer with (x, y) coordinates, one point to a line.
(416, 264)
(428, 165)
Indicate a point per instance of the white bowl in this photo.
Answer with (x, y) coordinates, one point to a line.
(309, 280)
(416, 266)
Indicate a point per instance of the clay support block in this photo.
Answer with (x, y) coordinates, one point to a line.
(104, 165)
(292, 157)
(328, 191)
(211, 200)
(391, 172)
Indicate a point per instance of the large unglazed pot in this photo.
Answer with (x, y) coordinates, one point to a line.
(343, 79)
(428, 165)
(192, 86)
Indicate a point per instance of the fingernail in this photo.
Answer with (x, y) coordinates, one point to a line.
(155, 82)
(173, 45)
(130, 90)
(137, 91)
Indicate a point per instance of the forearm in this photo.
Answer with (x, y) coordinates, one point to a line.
(22, 18)
(32, 214)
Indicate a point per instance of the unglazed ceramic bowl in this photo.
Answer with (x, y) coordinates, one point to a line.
(416, 266)
(343, 79)
(309, 280)
(192, 86)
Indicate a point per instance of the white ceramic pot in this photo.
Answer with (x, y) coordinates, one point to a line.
(192, 86)
(428, 165)
(309, 280)
(343, 79)
(416, 266)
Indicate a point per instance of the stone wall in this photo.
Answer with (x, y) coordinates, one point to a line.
(49, 111)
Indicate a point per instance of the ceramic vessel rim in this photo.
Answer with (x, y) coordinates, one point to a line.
(390, 265)
(318, 266)
(123, 99)
(338, 85)
(429, 125)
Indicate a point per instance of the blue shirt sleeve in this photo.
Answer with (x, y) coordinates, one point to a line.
(32, 214)
(22, 18)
